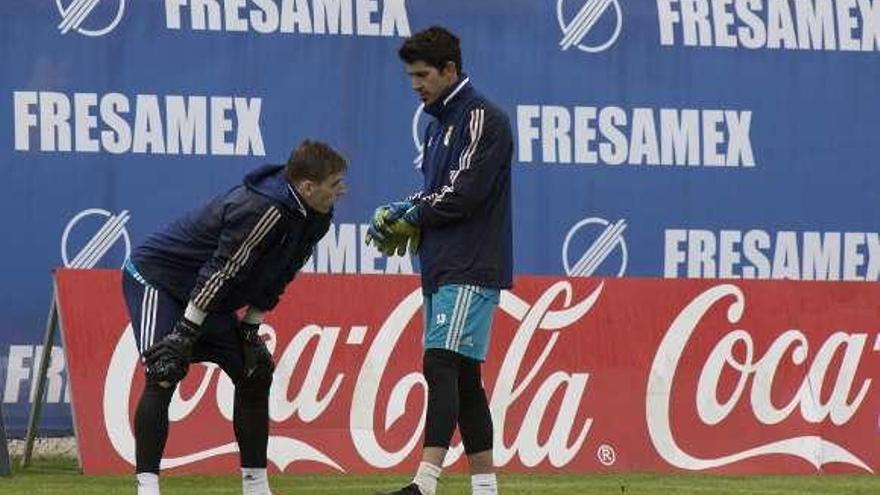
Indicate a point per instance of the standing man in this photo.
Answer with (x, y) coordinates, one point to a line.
(463, 220)
(184, 284)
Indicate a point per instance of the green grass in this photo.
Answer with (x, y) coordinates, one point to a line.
(60, 476)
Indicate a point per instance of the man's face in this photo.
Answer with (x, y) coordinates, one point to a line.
(321, 196)
(428, 82)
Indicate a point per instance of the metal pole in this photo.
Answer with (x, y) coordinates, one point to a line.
(37, 406)
(5, 469)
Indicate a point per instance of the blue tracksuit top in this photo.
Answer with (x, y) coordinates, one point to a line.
(466, 202)
(240, 249)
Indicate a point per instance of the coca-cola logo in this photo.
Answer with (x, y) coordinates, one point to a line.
(754, 376)
(373, 392)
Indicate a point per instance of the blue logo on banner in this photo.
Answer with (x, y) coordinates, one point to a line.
(601, 243)
(585, 22)
(106, 234)
(86, 12)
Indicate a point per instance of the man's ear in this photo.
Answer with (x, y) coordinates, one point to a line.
(304, 187)
(449, 69)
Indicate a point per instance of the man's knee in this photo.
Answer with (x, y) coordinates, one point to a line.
(256, 384)
(475, 420)
(440, 368)
(439, 365)
(470, 381)
(158, 391)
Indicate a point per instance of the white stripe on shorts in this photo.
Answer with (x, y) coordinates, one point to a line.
(453, 318)
(458, 329)
(149, 308)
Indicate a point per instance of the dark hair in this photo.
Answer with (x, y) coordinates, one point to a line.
(434, 46)
(314, 160)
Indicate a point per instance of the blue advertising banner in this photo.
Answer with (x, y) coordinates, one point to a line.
(653, 138)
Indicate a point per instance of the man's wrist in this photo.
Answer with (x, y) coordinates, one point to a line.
(195, 314)
(253, 316)
(413, 215)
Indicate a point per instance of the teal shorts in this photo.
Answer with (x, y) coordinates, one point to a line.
(459, 318)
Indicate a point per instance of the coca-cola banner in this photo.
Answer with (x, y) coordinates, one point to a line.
(584, 375)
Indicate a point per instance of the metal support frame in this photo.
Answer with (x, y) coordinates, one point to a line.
(5, 468)
(37, 405)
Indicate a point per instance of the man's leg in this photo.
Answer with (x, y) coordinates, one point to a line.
(250, 420)
(458, 323)
(475, 425)
(150, 434)
(153, 314)
(250, 416)
(449, 315)
(441, 370)
(440, 367)
(475, 419)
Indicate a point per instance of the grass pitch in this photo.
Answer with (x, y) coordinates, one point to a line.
(60, 476)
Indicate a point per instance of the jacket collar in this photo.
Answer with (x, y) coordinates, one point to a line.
(450, 97)
(299, 202)
(307, 211)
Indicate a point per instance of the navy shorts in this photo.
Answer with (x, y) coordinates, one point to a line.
(154, 312)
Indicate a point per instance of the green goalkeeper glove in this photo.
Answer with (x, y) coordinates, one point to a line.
(404, 221)
(380, 234)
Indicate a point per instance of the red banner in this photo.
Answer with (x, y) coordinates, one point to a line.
(585, 375)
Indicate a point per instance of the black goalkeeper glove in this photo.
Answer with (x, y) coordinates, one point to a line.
(167, 361)
(258, 361)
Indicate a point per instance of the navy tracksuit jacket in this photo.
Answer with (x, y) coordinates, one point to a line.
(466, 204)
